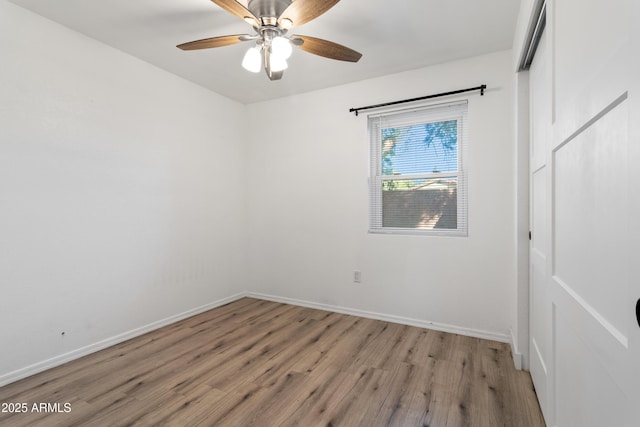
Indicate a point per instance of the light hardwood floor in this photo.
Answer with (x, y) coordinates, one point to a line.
(260, 363)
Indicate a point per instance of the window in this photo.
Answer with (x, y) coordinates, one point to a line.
(417, 181)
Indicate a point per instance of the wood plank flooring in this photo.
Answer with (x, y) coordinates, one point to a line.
(260, 363)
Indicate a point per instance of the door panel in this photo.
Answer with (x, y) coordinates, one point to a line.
(591, 249)
(539, 211)
(540, 306)
(574, 388)
(585, 197)
(540, 314)
(592, 216)
(590, 42)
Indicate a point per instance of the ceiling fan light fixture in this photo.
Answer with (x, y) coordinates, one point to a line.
(277, 63)
(252, 60)
(280, 46)
(286, 23)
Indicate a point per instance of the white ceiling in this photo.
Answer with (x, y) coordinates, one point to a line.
(392, 35)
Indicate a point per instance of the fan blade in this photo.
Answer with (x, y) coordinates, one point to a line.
(326, 48)
(235, 8)
(213, 42)
(302, 11)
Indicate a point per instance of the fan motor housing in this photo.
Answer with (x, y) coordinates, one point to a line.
(268, 8)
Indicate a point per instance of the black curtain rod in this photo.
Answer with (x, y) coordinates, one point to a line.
(481, 88)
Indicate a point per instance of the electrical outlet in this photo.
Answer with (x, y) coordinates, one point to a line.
(357, 276)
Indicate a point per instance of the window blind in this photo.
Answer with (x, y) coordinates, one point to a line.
(417, 182)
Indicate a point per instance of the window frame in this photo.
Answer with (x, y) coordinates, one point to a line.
(429, 113)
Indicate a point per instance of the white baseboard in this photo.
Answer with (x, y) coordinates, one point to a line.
(515, 353)
(100, 345)
(476, 333)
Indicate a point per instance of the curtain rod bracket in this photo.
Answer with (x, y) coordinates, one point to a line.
(481, 88)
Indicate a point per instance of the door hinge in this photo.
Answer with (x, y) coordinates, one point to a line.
(529, 234)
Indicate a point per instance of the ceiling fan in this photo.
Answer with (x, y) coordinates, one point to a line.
(271, 20)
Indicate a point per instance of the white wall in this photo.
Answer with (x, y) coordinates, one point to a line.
(129, 197)
(121, 194)
(308, 205)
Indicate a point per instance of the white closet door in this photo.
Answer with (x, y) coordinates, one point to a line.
(539, 298)
(592, 233)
